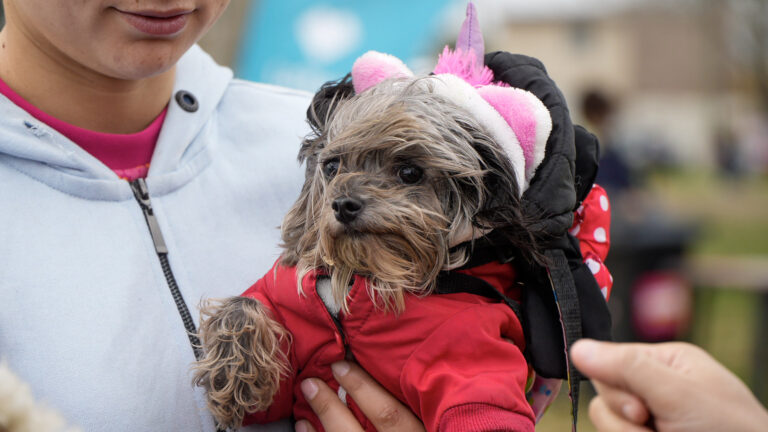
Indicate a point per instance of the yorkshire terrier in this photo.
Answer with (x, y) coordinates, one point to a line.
(400, 180)
(404, 176)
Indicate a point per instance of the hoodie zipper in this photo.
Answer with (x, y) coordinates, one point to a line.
(140, 191)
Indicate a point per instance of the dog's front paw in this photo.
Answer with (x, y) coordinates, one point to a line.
(243, 358)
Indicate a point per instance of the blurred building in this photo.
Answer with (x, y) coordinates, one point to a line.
(683, 75)
(676, 70)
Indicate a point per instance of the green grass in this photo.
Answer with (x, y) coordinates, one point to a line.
(724, 325)
(731, 215)
(727, 237)
(558, 416)
(732, 220)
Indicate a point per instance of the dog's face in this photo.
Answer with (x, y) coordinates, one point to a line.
(396, 177)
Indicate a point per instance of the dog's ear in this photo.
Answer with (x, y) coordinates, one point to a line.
(501, 210)
(319, 113)
(500, 183)
(326, 100)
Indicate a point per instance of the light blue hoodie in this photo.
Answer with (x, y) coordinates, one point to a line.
(87, 317)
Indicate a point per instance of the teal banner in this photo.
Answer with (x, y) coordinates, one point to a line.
(303, 43)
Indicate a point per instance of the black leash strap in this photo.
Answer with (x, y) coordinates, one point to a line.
(567, 302)
(454, 282)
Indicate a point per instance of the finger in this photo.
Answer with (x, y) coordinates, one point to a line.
(631, 367)
(606, 420)
(383, 410)
(622, 403)
(333, 414)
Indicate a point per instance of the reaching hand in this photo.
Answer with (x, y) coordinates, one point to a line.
(382, 409)
(670, 387)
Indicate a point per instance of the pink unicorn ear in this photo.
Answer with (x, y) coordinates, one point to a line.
(374, 67)
(527, 116)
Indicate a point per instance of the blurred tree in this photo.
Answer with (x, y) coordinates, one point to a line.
(755, 18)
(749, 38)
(758, 23)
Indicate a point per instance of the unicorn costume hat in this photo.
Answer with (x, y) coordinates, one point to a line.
(516, 119)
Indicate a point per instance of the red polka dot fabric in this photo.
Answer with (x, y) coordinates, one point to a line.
(592, 226)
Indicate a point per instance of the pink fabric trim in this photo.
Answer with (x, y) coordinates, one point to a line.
(128, 155)
(513, 106)
(374, 67)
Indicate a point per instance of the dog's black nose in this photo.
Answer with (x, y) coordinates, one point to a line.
(346, 209)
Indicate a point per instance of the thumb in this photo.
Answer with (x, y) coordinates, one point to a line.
(630, 367)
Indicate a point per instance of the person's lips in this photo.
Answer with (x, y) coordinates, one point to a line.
(157, 23)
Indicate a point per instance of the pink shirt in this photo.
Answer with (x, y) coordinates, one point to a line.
(128, 155)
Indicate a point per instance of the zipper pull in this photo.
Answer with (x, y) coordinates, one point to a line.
(140, 191)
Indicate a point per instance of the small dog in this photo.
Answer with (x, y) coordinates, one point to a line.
(400, 180)
(405, 176)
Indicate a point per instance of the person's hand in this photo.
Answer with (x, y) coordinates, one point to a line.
(665, 387)
(382, 409)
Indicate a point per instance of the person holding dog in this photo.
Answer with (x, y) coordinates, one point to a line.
(94, 97)
(137, 178)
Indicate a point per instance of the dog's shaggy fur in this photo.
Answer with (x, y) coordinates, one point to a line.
(244, 357)
(399, 181)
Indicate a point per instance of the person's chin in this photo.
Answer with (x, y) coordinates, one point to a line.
(137, 64)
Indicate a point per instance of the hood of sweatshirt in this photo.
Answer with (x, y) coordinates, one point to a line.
(41, 152)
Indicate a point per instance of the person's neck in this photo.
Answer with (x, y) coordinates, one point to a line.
(72, 93)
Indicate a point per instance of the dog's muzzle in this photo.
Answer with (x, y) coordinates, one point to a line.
(346, 209)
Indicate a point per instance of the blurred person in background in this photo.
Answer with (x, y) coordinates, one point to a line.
(614, 173)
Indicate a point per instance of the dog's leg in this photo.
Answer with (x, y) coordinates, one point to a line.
(244, 358)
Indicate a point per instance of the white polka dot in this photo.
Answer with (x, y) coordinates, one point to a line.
(611, 276)
(600, 235)
(593, 265)
(575, 230)
(604, 202)
(604, 290)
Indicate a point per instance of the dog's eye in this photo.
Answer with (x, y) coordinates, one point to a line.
(330, 168)
(410, 174)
